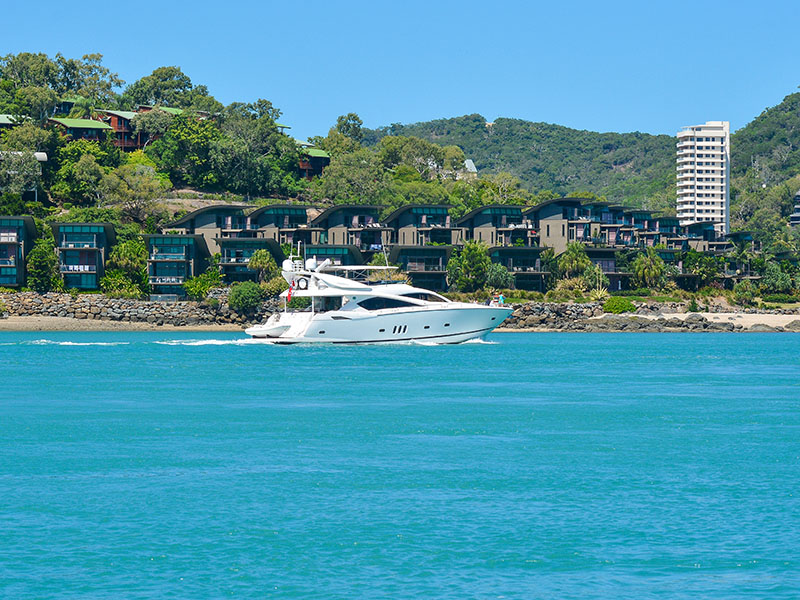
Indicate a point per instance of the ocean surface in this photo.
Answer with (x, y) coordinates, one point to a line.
(187, 465)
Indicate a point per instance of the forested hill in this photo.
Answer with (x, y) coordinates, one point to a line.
(625, 167)
(770, 143)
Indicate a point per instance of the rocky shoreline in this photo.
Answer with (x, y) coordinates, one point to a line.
(649, 317)
(59, 310)
(98, 307)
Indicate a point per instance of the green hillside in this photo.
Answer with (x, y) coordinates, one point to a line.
(770, 143)
(625, 167)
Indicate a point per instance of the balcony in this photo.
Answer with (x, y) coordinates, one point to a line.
(420, 265)
(65, 245)
(8, 262)
(166, 280)
(234, 260)
(78, 268)
(9, 238)
(164, 256)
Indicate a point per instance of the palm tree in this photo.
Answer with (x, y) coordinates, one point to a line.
(83, 109)
(573, 261)
(262, 261)
(648, 268)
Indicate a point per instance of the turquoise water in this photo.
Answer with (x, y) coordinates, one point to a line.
(163, 465)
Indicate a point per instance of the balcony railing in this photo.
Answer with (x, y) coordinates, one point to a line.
(167, 256)
(65, 245)
(78, 268)
(8, 238)
(8, 262)
(234, 260)
(424, 266)
(167, 280)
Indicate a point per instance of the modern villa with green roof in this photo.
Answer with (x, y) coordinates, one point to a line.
(120, 122)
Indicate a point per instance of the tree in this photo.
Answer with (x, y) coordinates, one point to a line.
(42, 267)
(19, 171)
(151, 124)
(129, 257)
(453, 161)
(774, 280)
(503, 188)
(468, 271)
(134, 189)
(86, 77)
(573, 261)
(648, 268)
(184, 151)
(197, 288)
(36, 102)
(83, 108)
(166, 86)
(27, 69)
(252, 156)
(262, 261)
(349, 125)
(78, 181)
(356, 178)
(498, 277)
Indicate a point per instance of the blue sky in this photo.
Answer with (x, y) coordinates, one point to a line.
(620, 66)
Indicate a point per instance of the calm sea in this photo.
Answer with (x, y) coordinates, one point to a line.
(163, 465)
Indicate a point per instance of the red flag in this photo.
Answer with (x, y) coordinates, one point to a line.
(289, 295)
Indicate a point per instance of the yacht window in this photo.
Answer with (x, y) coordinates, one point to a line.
(327, 303)
(378, 303)
(426, 296)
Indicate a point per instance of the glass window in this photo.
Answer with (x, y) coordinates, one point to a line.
(382, 303)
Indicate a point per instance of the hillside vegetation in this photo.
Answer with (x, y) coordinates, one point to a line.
(626, 167)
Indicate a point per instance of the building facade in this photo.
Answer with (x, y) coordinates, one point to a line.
(17, 235)
(704, 159)
(82, 252)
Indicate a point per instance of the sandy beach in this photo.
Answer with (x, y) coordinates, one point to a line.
(34, 323)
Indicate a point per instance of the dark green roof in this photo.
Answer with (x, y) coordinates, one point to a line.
(82, 123)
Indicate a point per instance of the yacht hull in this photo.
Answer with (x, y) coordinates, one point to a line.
(450, 323)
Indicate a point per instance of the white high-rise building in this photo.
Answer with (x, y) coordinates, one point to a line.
(704, 167)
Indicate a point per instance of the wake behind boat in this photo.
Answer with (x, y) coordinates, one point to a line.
(344, 311)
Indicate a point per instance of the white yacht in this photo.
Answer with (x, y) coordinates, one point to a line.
(345, 311)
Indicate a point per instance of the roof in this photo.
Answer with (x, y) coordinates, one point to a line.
(573, 201)
(408, 207)
(283, 126)
(199, 240)
(81, 123)
(262, 209)
(199, 211)
(30, 224)
(167, 109)
(125, 114)
(316, 153)
(108, 228)
(7, 120)
(480, 209)
(329, 211)
(397, 250)
(469, 166)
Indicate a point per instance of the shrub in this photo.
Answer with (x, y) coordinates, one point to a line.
(693, 307)
(116, 284)
(744, 293)
(618, 304)
(598, 294)
(245, 297)
(274, 287)
(778, 298)
(5, 290)
(198, 287)
(43, 275)
(641, 292)
(3, 307)
(572, 284)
